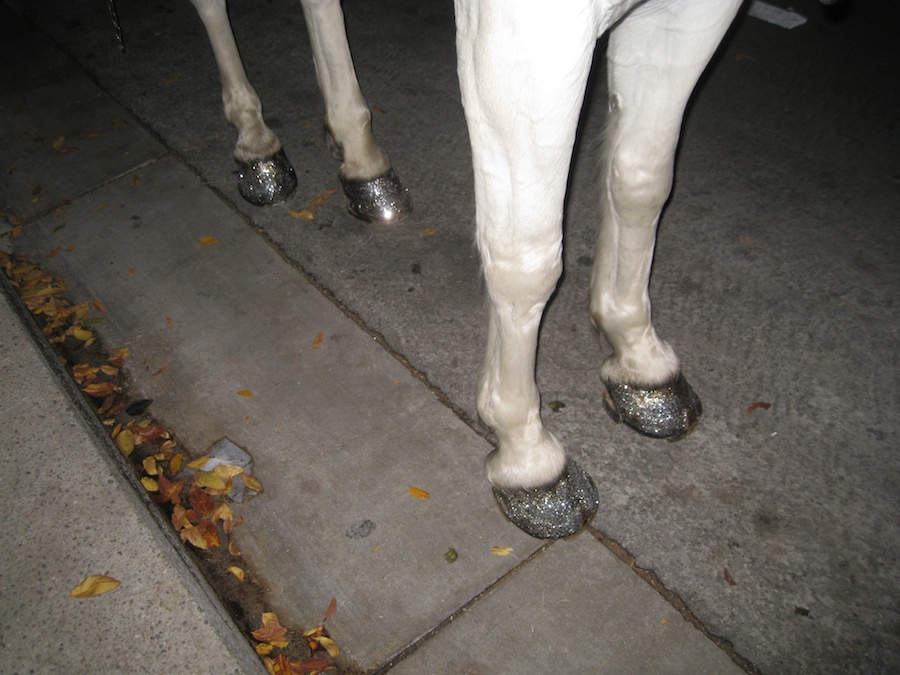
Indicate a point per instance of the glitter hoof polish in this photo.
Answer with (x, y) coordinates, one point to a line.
(383, 199)
(557, 511)
(671, 411)
(266, 181)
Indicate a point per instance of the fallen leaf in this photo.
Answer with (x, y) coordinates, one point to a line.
(136, 180)
(149, 484)
(329, 645)
(419, 493)
(251, 483)
(125, 441)
(101, 389)
(244, 392)
(309, 666)
(451, 556)
(98, 306)
(237, 571)
(150, 467)
(94, 585)
(378, 109)
(729, 578)
(501, 550)
(756, 406)
(198, 463)
(206, 241)
(330, 610)
(428, 231)
(57, 142)
(272, 631)
(226, 471)
(54, 252)
(317, 341)
(208, 479)
(264, 648)
(303, 213)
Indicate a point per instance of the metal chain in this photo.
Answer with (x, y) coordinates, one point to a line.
(116, 24)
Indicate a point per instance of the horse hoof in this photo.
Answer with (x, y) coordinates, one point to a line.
(267, 181)
(556, 511)
(377, 200)
(670, 411)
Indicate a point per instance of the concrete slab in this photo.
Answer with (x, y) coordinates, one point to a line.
(574, 609)
(338, 429)
(69, 512)
(61, 134)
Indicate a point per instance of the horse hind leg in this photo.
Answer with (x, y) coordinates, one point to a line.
(654, 61)
(374, 192)
(265, 175)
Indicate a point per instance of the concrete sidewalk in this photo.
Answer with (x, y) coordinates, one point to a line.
(338, 429)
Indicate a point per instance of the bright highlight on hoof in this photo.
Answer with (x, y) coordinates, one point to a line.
(670, 411)
(380, 200)
(268, 181)
(555, 511)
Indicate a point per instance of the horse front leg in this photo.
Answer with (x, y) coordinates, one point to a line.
(265, 176)
(655, 59)
(373, 191)
(522, 75)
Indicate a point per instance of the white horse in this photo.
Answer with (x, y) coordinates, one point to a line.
(523, 67)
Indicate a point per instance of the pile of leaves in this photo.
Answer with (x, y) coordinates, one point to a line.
(194, 499)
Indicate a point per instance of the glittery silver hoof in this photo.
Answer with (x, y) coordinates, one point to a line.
(670, 411)
(556, 511)
(379, 200)
(268, 181)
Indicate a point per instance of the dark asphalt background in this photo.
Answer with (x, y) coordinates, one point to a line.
(776, 280)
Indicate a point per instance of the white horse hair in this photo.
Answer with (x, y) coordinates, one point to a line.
(523, 68)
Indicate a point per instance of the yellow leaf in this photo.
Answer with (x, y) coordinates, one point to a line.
(226, 471)
(317, 341)
(237, 571)
(198, 463)
(330, 645)
(94, 585)
(251, 483)
(419, 493)
(125, 441)
(303, 213)
(81, 334)
(501, 550)
(149, 484)
(208, 479)
(206, 241)
(428, 231)
(245, 392)
(150, 466)
(264, 648)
